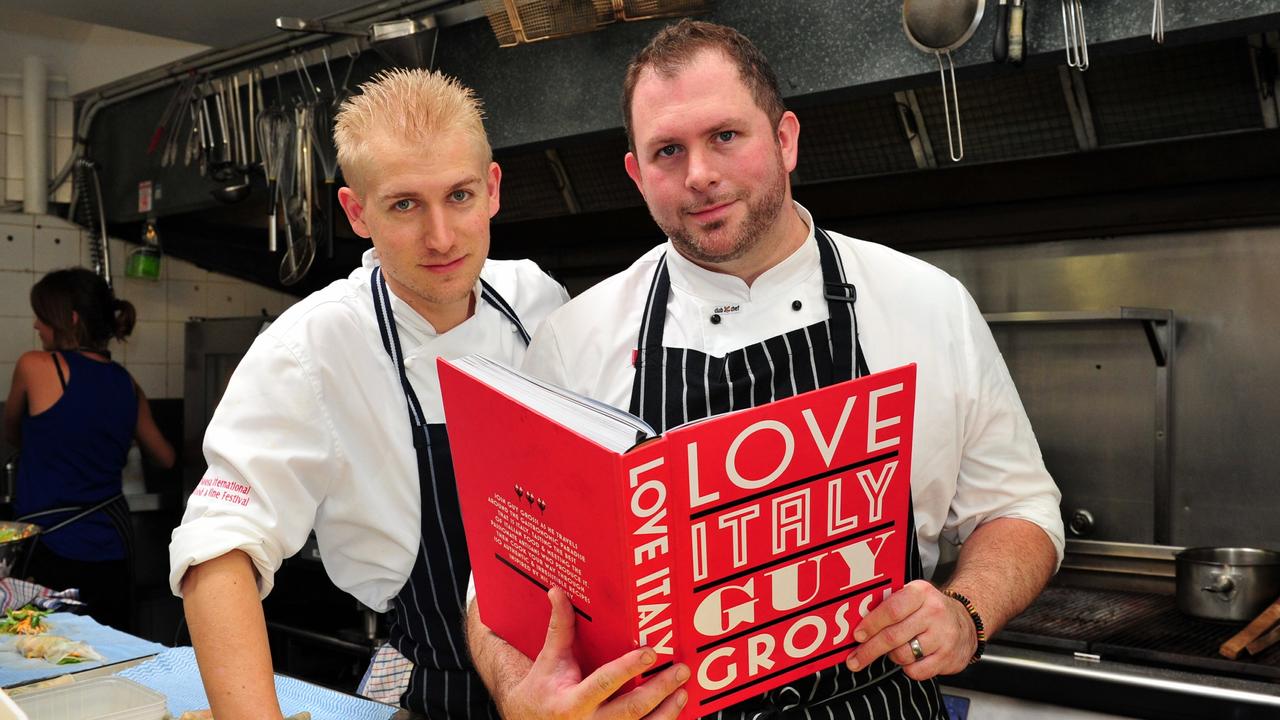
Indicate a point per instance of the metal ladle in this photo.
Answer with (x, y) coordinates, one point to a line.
(938, 27)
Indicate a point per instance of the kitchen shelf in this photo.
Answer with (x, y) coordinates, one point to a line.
(1160, 326)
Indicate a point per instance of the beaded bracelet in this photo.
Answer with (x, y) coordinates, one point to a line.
(977, 623)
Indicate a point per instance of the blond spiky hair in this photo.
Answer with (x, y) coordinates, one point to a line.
(408, 106)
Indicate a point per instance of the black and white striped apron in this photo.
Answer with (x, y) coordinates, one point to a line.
(676, 385)
(427, 618)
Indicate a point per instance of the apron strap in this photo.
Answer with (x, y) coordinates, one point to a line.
(391, 336)
(842, 320)
(652, 324)
(493, 298)
(391, 342)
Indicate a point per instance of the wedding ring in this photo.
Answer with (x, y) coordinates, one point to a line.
(916, 650)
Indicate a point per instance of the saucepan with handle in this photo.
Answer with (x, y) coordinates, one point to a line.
(1226, 583)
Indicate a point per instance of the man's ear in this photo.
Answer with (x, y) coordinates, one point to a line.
(354, 209)
(492, 185)
(633, 170)
(789, 139)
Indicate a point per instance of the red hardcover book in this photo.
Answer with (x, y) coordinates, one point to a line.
(747, 545)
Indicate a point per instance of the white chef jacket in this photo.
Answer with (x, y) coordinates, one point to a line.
(974, 455)
(314, 431)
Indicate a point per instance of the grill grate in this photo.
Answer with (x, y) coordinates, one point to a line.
(1131, 626)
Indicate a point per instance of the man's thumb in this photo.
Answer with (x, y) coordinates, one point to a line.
(560, 627)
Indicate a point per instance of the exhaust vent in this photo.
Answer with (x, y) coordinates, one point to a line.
(529, 188)
(599, 178)
(859, 137)
(1174, 92)
(1016, 115)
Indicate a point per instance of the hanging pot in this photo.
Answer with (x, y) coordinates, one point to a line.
(1226, 583)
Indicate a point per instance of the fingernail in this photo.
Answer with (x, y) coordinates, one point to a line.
(682, 673)
(854, 664)
(860, 635)
(682, 697)
(647, 657)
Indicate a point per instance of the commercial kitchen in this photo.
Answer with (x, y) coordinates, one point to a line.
(1102, 177)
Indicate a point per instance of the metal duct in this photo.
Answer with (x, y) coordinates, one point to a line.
(35, 136)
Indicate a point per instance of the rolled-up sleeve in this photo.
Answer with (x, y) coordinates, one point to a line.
(1002, 473)
(271, 455)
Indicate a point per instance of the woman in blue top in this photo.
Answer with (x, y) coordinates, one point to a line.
(74, 413)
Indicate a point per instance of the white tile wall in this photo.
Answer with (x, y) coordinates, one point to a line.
(60, 129)
(175, 351)
(144, 294)
(183, 270)
(15, 289)
(13, 115)
(147, 343)
(173, 383)
(63, 118)
(152, 377)
(6, 378)
(56, 248)
(225, 299)
(13, 156)
(16, 337)
(186, 300)
(154, 352)
(258, 298)
(16, 243)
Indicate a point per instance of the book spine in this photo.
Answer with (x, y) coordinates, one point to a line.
(650, 553)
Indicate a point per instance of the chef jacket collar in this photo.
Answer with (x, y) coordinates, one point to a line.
(404, 312)
(775, 283)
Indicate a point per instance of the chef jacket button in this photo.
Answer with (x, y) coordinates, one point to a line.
(795, 305)
(715, 319)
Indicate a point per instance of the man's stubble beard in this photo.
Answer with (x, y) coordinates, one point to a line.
(433, 294)
(762, 213)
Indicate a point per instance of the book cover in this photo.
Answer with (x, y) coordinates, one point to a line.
(747, 545)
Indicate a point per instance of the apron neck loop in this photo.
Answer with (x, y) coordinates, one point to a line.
(841, 297)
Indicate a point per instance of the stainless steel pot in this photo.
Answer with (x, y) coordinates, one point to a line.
(15, 553)
(1227, 583)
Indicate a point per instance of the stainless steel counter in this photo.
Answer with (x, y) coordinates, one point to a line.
(1101, 685)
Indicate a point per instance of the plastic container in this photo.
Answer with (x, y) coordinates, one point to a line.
(104, 698)
(9, 710)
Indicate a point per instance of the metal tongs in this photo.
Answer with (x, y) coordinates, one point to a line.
(1157, 22)
(1073, 28)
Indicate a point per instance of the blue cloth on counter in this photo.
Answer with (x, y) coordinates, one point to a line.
(175, 675)
(110, 643)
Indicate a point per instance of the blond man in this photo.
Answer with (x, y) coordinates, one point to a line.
(332, 422)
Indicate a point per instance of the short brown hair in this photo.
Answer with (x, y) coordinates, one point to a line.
(676, 45)
(411, 106)
(63, 296)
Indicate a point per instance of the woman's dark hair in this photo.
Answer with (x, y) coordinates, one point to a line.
(63, 296)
